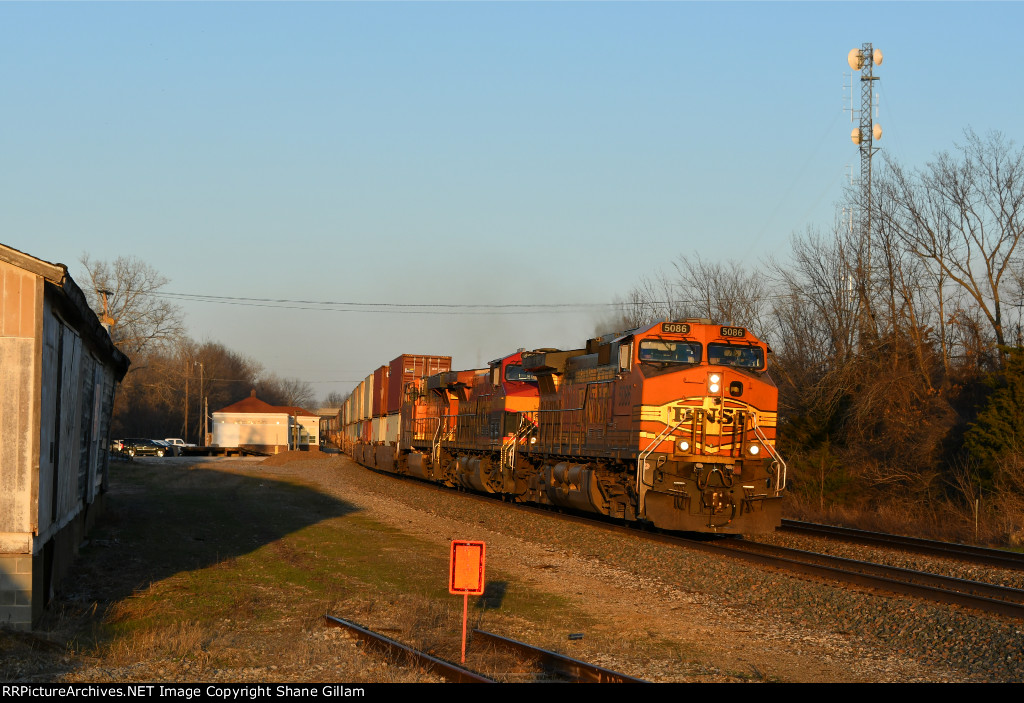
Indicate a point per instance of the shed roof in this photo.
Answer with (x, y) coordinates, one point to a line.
(72, 302)
(252, 404)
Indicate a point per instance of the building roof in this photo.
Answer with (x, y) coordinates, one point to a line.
(72, 303)
(252, 404)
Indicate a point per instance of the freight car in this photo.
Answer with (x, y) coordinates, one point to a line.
(672, 424)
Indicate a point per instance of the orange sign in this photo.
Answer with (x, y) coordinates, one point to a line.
(467, 568)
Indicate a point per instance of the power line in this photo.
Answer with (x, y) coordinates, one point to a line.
(348, 306)
(425, 308)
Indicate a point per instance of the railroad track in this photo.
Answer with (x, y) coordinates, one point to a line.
(981, 596)
(987, 597)
(553, 664)
(422, 660)
(964, 552)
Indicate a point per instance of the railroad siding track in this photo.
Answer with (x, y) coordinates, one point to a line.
(444, 669)
(981, 555)
(565, 668)
(944, 589)
(558, 664)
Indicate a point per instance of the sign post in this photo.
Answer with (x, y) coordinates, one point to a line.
(466, 576)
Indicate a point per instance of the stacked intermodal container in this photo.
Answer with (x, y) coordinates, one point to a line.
(373, 413)
(409, 367)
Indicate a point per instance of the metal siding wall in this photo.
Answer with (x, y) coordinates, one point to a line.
(71, 412)
(20, 294)
(87, 391)
(48, 435)
(102, 456)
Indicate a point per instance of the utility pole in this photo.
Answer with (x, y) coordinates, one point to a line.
(202, 430)
(188, 372)
(864, 60)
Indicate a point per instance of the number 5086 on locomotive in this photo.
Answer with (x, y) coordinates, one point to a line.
(672, 424)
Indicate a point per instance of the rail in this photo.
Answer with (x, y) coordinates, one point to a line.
(567, 667)
(987, 597)
(444, 669)
(980, 555)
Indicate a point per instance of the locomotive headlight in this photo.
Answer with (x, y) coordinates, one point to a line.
(754, 449)
(684, 446)
(714, 383)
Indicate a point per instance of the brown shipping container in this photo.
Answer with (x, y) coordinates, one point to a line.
(409, 367)
(380, 391)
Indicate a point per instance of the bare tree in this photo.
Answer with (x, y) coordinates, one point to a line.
(335, 399)
(963, 213)
(820, 282)
(652, 299)
(285, 391)
(724, 293)
(126, 290)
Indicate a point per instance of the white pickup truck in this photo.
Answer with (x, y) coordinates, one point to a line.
(177, 442)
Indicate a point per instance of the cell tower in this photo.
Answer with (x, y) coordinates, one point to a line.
(864, 60)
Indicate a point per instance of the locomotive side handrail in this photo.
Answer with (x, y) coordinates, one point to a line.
(641, 462)
(780, 483)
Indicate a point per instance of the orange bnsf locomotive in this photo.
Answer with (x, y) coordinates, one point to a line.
(672, 424)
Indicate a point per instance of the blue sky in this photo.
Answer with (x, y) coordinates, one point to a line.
(495, 153)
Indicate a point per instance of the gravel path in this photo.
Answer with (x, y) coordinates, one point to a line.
(714, 620)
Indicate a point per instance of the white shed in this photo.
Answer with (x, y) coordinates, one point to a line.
(254, 424)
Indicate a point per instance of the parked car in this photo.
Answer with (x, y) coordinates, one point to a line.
(117, 445)
(169, 449)
(144, 447)
(177, 442)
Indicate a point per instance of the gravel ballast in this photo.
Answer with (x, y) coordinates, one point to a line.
(731, 620)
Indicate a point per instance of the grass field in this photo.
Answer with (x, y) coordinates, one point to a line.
(214, 567)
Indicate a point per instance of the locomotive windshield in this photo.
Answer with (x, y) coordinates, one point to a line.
(515, 372)
(739, 355)
(671, 352)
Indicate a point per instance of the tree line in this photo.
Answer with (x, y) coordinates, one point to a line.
(897, 340)
(174, 382)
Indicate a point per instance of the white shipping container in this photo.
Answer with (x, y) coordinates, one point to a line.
(367, 398)
(394, 421)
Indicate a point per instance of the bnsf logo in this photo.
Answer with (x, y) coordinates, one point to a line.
(676, 328)
(734, 332)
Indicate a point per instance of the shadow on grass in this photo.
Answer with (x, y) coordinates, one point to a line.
(493, 595)
(162, 517)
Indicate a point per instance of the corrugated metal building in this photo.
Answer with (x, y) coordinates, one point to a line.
(58, 374)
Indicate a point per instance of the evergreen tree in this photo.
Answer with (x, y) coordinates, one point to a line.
(998, 431)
